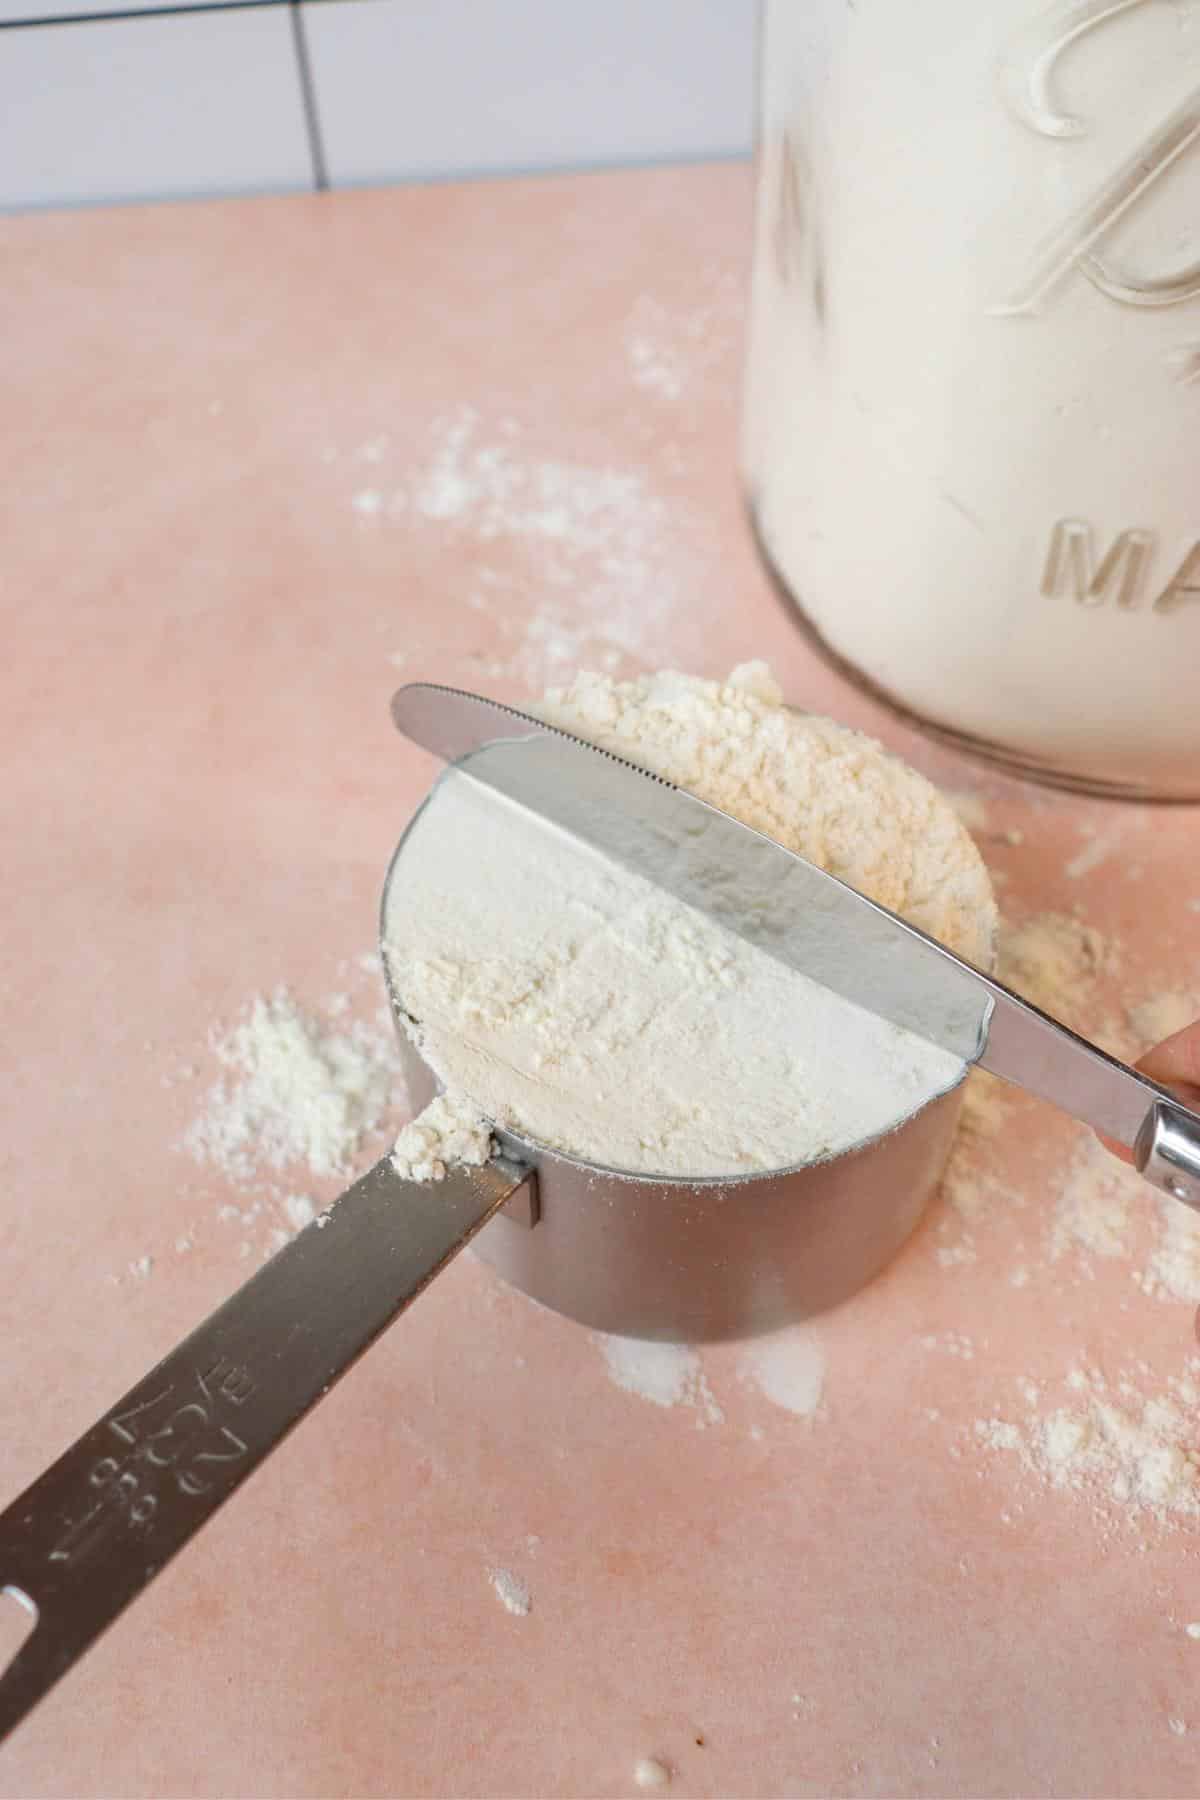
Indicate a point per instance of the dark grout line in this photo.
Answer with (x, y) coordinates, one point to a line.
(308, 95)
(134, 12)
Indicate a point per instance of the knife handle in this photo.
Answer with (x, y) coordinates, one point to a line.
(1167, 1151)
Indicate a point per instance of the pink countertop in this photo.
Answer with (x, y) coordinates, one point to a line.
(258, 462)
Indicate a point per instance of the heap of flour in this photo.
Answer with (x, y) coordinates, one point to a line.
(576, 1004)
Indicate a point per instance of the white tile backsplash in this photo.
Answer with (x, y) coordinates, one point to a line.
(74, 9)
(419, 90)
(174, 105)
(162, 104)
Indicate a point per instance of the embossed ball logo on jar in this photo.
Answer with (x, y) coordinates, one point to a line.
(1029, 68)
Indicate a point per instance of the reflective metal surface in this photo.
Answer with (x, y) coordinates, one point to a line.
(1168, 1152)
(800, 915)
(89, 1534)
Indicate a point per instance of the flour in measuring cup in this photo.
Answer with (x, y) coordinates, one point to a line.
(578, 1005)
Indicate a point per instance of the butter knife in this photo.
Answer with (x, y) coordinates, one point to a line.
(805, 918)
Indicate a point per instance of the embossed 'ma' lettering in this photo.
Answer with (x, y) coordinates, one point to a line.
(1071, 565)
(1120, 576)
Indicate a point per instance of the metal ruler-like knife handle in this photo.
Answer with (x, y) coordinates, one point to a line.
(90, 1533)
(1167, 1151)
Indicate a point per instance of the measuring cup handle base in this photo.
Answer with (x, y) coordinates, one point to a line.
(88, 1535)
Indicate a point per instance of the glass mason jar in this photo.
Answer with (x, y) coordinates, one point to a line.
(972, 421)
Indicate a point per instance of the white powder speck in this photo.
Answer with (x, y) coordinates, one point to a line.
(667, 347)
(450, 1133)
(511, 1591)
(956, 1256)
(1099, 1198)
(300, 1211)
(183, 1245)
(1056, 960)
(789, 1369)
(298, 1094)
(1193, 1631)
(1174, 1268)
(664, 1374)
(1098, 851)
(998, 1434)
(970, 807)
(969, 1182)
(141, 1267)
(650, 1774)
(1178, 1726)
(367, 502)
(952, 1343)
(654, 368)
(1159, 1016)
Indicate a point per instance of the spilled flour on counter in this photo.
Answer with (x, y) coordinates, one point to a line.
(297, 1092)
(303, 1099)
(511, 1591)
(664, 1374)
(651, 1775)
(1159, 1016)
(1113, 1443)
(1173, 1271)
(668, 347)
(1057, 961)
(1098, 1203)
(788, 1369)
(1062, 964)
(584, 1008)
(1126, 1443)
(603, 553)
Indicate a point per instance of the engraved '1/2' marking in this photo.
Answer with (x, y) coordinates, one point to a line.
(189, 1446)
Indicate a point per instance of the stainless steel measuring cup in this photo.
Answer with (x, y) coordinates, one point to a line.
(665, 1258)
(693, 1260)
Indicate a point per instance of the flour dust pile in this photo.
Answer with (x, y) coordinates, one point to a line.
(302, 1102)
